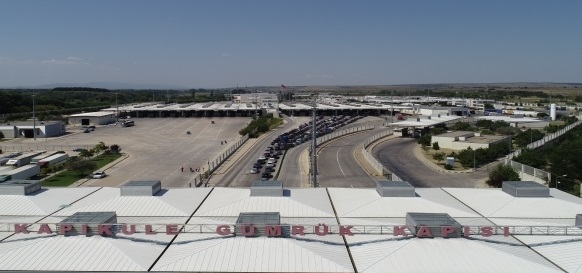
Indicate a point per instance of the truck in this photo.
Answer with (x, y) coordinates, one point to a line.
(36, 159)
(22, 160)
(53, 160)
(21, 173)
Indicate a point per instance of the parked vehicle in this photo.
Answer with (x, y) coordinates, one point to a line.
(99, 175)
(254, 170)
(270, 164)
(36, 159)
(24, 172)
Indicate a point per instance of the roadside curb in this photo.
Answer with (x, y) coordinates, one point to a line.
(104, 168)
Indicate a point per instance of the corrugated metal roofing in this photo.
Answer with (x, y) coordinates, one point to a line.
(497, 204)
(80, 253)
(173, 202)
(376, 253)
(301, 203)
(41, 203)
(368, 203)
(565, 251)
(210, 252)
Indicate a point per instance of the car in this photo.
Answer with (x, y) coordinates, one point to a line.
(272, 159)
(87, 131)
(254, 170)
(257, 165)
(270, 164)
(266, 175)
(262, 157)
(99, 175)
(269, 169)
(264, 178)
(79, 150)
(279, 153)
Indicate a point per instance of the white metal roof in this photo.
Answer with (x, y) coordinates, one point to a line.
(93, 114)
(424, 121)
(510, 119)
(495, 203)
(564, 251)
(213, 253)
(173, 202)
(81, 253)
(384, 253)
(40, 203)
(300, 203)
(359, 203)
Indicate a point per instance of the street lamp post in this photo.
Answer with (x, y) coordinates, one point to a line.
(474, 162)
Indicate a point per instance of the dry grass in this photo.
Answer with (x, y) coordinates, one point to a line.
(428, 155)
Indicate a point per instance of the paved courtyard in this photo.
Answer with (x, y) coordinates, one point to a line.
(157, 147)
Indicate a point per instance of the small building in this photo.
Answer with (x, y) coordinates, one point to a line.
(93, 118)
(461, 140)
(433, 111)
(26, 129)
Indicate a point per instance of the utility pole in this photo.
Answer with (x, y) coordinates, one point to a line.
(33, 119)
(392, 104)
(313, 169)
(117, 109)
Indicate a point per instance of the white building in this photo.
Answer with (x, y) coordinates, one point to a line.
(26, 129)
(93, 118)
(260, 98)
(460, 140)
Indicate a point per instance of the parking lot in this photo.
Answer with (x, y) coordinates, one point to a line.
(157, 147)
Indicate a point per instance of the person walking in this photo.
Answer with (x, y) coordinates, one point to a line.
(182, 168)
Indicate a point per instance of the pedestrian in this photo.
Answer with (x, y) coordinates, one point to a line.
(221, 143)
(191, 170)
(182, 168)
(225, 142)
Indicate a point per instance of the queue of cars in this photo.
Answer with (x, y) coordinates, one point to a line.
(295, 137)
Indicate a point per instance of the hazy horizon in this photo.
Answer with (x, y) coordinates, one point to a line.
(220, 44)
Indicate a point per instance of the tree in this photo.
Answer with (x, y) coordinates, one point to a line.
(100, 147)
(461, 126)
(484, 123)
(115, 148)
(81, 166)
(1, 136)
(424, 140)
(501, 173)
(438, 156)
(488, 106)
(435, 146)
(87, 153)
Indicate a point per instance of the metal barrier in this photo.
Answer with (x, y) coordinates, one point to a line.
(547, 138)
(213, 164)
(343, 132)
(37, 147)
(373, 161)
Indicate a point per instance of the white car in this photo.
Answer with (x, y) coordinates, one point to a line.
(254, 170)
(99, 175)
(270, 164)
(262, 158)
(272, 160)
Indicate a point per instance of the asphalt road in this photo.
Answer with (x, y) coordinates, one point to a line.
(397, 155)
(337, 166)
(239, 173)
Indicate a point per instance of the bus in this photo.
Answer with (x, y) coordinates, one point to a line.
(127, 123)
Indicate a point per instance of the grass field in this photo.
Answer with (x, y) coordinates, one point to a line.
(66, 178)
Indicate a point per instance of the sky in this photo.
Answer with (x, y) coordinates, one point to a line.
(217, 44)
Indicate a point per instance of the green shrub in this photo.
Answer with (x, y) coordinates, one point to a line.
(448, 167)
(435, 145)
(502, 173)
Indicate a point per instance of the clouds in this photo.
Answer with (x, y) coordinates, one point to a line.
(66, 61)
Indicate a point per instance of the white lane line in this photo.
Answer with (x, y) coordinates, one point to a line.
(338, 163)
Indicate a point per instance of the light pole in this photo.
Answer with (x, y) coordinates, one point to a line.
(116, 109)
(557, 182)
(33, 119)
(474, 162)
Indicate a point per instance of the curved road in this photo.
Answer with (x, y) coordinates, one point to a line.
(398, 156)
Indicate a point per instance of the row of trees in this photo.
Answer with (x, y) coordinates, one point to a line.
(83, 164)
(260, 125)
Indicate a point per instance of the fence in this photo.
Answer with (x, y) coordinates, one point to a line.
(373, 161)
(211, 165)
(546, 139)
(343, 132)
(530, 173)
